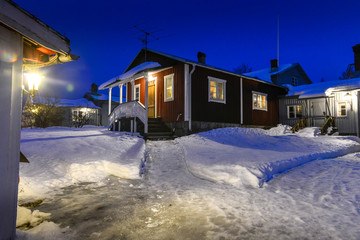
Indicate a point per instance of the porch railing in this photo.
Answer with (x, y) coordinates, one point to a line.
(128, 109)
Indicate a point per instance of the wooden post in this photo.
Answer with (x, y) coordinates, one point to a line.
(135, 124)
(109, 101)
(146, 102)
(119, 126)
(121, 93)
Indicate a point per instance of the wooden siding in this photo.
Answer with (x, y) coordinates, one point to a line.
(202, 109)
(283, 108)
(260, 117)
(151, 57)
(168, 111)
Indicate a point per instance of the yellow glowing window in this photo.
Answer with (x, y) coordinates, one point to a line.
(342, 109)
(259, 101)
(217, 90)
(169, 88)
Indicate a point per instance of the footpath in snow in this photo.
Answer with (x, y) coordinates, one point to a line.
(250, 157)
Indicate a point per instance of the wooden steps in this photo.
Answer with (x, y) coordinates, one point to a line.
(157, 130)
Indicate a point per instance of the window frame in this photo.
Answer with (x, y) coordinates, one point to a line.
(266, 101)
(294, 81)
(134, 93)
(217, 80)
(339, 109)
(166, 78)
(295, 111)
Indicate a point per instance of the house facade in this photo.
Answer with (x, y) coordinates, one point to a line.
(26, 44)
(191, 96)
(317, 102)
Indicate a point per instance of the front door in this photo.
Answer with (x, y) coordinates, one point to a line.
(151, 100)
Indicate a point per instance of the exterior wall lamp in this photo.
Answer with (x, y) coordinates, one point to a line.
(348, 99)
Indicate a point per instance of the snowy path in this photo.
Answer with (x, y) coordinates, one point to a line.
(319, 200)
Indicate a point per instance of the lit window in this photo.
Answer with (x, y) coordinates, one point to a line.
(294, 81)
(342, 109)
(260, 101)
(295, 111)
(169, 88)
(217, 90)
(137, 92)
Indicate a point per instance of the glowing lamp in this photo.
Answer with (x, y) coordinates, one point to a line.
(33, 81)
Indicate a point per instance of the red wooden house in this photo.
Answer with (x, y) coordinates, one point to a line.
(190, 96)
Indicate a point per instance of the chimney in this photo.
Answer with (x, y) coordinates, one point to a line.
(356, 50)
(274, 65)
(201, 57)
(94, 88)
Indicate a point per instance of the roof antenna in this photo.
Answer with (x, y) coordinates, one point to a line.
(145, 40)
(278, 39)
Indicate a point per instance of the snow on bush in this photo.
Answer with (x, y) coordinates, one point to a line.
(62, 156)
(250, 156)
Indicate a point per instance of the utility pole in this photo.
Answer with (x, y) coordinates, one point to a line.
(278, 39)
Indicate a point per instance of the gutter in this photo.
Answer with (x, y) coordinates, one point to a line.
(190, 104)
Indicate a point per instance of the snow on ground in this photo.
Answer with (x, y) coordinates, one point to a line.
(203, 186)
(62, 156)
(250, 157)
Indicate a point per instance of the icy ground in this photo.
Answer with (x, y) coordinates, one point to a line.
(204, 186)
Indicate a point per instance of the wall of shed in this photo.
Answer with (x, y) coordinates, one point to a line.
(11, 46)
(350, 123)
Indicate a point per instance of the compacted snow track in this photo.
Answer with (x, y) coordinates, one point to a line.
(319, 200)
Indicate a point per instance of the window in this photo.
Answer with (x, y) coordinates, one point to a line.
(294, 81)
(295, 111)
(260, 101)
(217, 90)
(169, 88)
(137, 92)
(341, 109)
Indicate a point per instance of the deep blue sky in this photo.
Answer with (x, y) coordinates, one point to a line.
(317, 34)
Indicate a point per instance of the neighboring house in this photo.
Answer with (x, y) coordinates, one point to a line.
(317, 102)
(78, 112)
(292, 74)
(102, 101)
(190, 96)
(339, 99)
(26, 43)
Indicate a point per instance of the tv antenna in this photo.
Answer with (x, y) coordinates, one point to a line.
(145, 40)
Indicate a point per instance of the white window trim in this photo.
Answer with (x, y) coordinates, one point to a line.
(295, 110)
(134, 93)
(339, 109)
(171, 77)
(266, 101)
(217, 80)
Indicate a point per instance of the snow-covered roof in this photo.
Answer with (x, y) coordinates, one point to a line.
(265, 74)
(63, 102)
(184, 60)
(323, 89)
(129, 74)
(105, 97)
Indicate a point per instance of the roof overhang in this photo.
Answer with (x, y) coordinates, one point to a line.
(44, 44)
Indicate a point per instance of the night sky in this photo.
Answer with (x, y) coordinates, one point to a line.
(317, 34)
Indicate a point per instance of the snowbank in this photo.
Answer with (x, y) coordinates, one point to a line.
(249, 157)
(61, 157)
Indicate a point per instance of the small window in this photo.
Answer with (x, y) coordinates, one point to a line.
(342, 109)
(295, 111)
(169, 88)
(137, 92)
(294, 81)
(74, 116)
(217, 90)
(260, 101)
